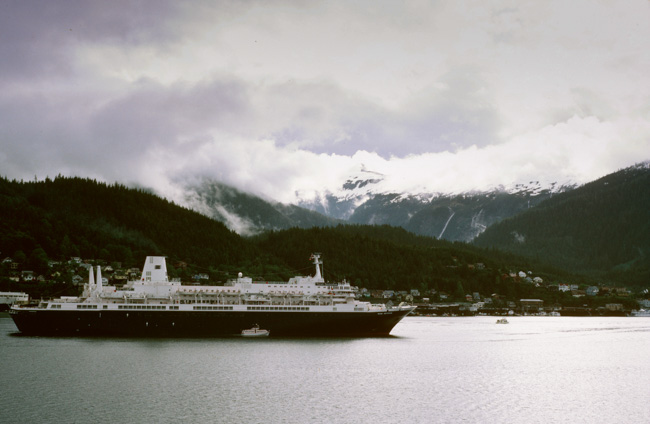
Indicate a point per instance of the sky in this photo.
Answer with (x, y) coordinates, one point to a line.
(287, 99)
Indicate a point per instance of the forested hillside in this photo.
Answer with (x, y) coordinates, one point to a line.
(64, 217)
(603, 226)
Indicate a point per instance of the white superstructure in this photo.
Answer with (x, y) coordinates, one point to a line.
(154, 290)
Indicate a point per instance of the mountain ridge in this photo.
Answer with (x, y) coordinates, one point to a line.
(450, 216)
(601, 226)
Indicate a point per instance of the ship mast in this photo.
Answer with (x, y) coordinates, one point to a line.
(318, 263)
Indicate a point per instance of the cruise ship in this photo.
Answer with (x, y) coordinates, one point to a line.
(157, 307)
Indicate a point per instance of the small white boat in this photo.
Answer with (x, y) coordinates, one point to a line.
(502, 321)
(255, 331)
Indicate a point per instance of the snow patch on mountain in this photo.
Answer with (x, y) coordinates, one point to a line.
(447, 223)
(362, 186)
(478, 223)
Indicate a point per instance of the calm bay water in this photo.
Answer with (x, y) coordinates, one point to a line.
(442, 370)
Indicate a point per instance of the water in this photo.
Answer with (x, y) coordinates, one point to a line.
(443, 370)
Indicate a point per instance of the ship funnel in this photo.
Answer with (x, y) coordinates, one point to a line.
(91, 279)
(99, 286)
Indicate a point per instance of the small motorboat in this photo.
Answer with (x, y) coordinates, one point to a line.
(502, 321)
(255, 331)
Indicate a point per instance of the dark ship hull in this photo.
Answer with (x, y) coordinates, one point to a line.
(136, 323)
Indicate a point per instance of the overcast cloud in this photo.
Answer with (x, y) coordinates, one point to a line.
(280, 98)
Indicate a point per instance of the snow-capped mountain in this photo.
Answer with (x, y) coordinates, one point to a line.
(342, 203)
(364, 199)
(450, 216)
